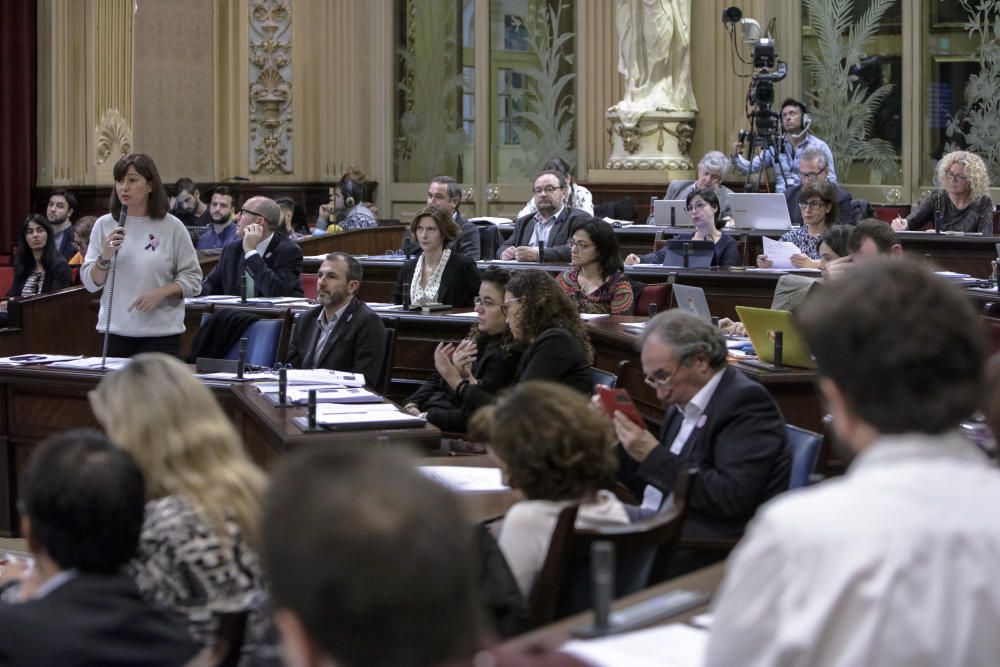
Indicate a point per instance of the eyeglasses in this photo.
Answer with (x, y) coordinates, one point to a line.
(481, 303)
(659, 382)
(548, 189)
(812, 205)
(958, 178)
(251, 212)
(697, 206)
(579, 245)
(505, 306)
(811, 175)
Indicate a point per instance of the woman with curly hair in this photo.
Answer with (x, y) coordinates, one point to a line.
(553, 448)
(597, 281)
(546, 323)
(198, 552)
(487, 359)
(963, 205)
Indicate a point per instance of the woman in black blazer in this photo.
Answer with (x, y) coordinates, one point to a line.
(39, 268)
(545, 320)
(436, 275)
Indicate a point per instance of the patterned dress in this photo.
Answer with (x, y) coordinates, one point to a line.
(614, 296)
(808, 244)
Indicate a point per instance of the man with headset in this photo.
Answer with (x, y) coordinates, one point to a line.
(795, 124)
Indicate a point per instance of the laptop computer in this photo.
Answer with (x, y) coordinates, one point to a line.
(671, 213)
(700, 253)
(760, 210)
(761, 323)
(692, 300)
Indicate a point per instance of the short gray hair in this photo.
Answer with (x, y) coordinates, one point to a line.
(715, 161)
(817, 154)
(688, 335)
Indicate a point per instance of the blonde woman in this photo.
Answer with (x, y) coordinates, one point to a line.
(962, 204)
(198, 551)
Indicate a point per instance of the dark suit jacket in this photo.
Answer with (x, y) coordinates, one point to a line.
(459, 282)
(277, 273)
(56, 278)
(845, 216)
(67, 245)
(741, 454)
(356, 345)
(92, 620)
(556, 249)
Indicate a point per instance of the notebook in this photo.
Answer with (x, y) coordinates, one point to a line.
(761, 323)
(700, 257)
(760, 210)
(671, 213)
(692, 300)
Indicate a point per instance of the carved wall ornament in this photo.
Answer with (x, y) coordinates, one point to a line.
(270, 58)
(114, 136)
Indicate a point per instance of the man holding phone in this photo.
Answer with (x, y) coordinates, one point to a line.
(717, 420)
(271, 261)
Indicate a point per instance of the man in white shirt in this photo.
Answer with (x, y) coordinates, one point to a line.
(893, 563)
(717, 420)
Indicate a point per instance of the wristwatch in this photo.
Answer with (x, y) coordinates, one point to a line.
(103, 264)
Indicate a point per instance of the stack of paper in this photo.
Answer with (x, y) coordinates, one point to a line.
(780, 252)
(380, 415)
(674, 645)
(92, 363)
(593, 316)
(24, 359)
(300, 395)
(466, 479)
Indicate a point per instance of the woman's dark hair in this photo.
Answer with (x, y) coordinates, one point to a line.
(156, 206)
(711, 199)
(602, 235)
(546, 306)
(836, 237)
(554, 446)
(499, 277)
(24, 263)
(825, 191)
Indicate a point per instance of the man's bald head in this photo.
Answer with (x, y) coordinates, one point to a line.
(267, 209)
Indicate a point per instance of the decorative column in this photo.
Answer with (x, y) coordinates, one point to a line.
(113, 85)
(270, 60)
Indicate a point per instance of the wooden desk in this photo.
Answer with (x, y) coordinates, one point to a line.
(477, 507)
(554, 635)
(37, 402)
(372, 241)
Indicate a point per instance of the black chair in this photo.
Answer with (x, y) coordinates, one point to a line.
(384, 382)
(599, 376)
(643, 551)
(804, 447)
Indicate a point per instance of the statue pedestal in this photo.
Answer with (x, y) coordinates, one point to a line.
(658, 142)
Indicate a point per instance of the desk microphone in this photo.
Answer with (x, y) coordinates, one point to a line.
(110, 286)
(282, 386)
(243, 287)
(779, 345)
(653, 308)
(541, 251)
(311, 408)
(602, 581)
(687, 255)
(242, 360)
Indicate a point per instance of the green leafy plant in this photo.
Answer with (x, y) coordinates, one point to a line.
(978, 122)
(843, 107)
(549, 114)
(430, 139)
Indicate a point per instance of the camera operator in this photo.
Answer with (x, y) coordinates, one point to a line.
(796, 138)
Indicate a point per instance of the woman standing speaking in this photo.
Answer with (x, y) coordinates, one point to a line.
(153, 261)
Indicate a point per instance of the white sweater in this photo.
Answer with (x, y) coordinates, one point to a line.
(155, 253)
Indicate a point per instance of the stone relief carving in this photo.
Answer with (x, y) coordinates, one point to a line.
(114, 136)
(271, 86)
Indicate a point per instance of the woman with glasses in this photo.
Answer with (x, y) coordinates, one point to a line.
(198, 550)
(597, 280)
(437, 274)
(963, 203)
(567, 460)
(153, 261)
(546, 323)
(818, 204)
(487, 359)
(702, 205)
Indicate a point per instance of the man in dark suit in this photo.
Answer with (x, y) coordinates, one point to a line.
(445, 192)
(342, 333)
(271, 261)
(813, 168)
(550, 225)
(718, 421)
(84, 501)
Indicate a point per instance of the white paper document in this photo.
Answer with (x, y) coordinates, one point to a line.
(592, 316)
(317, 377)
(92, 363)
(361, 418)
(471, 316)
(492, 221)
(24, 359)
(674, 645)
(780, 252)
(345, 395)
(466, 479)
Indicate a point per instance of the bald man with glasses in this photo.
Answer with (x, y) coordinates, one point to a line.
(717, 420)
(271, 262)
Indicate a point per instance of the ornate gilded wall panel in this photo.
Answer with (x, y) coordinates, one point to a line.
(270, 87)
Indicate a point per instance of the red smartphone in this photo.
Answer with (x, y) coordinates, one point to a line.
(618, 399)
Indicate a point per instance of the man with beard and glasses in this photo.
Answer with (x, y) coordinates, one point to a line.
(342, 333)
(61, 206)
(549, 226)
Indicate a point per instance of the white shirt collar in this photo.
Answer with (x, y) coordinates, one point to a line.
(55, 581)
(262, 246)
(546, 221)
(696, 406)
(336, 315)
